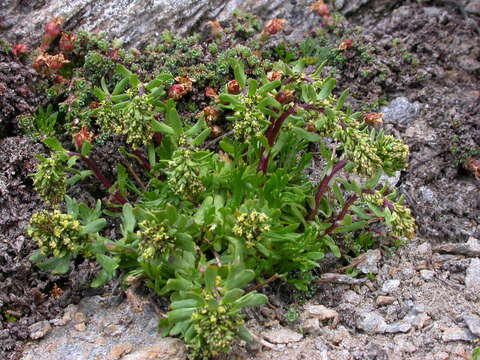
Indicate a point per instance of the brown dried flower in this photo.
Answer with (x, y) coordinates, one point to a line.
(233, 87)
(374, 119)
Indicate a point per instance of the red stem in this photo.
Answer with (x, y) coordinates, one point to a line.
(142, 159)
(342, 213)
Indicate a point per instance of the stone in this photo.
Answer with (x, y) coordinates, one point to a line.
(473, 323)
(401, 111)
(119, 350)
(311, 326)
(420, 320)
(79, 317)
(473, 7)
(468, 63)
(164, 349)
(80, 326)
(39, 329)
(427, 275)
(441, 355)
(370, 264)
(319, 312)
(424, 249)
(390, 286)
(282, 336)
(457, 334)
(371, 322)
(352, 297)
(472, 281)
(113, 330)
(398, 327)
(385, 300)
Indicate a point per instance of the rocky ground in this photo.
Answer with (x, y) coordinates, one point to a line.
(417, 303)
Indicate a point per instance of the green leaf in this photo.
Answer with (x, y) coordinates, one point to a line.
(252, 87)
(327, 89)
(93, 227)
(173, 120)
(232, 295)
(187, 303)
(177, 315)
(240, 279)
(210, 277)
(332, 246)
(351, 227)
(227, 146)
(120, 87)
(307, 135)
(200, 139)
(162, 128)
(37, 257)
(129, 220)
(86, 148)
(269, 87)
(53, 144)
(56, 266)
(230, 99)
(250, 300)
(244, 334)
(239, 73)
(341, 99)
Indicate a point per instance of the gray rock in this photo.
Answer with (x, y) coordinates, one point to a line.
(39, 329)
(473, 323)
(352, 297)
(472, 279)
(370, 264)
(457, 334)
(385, 300)
(134, 22)
(469, 63)
(312, 326)
(427, 275)
(164, 349)
(401, 111)
(371, 322)
(398, 327)
(352, 6)
(282, 336)
(319, 312)
(424, 248)
(473, 7)
(390, 286)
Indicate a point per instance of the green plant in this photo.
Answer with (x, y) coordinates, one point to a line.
(215, 220)
(476, 353)
(41, 123)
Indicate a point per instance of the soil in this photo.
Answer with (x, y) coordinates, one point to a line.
(442, 132)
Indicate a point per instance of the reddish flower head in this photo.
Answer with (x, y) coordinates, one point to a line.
(345, 44)
(321, 9)
(19, 50)
(233, 87)
(473, 165)
(82, 136)
(374, 119)
(52, 30)
(67, 42)
(274, 26)
(274, 75)
(285, 96)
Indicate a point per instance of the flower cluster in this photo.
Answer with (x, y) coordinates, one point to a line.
(361, 152)
(56, 233)
(50, 181)
(216, 330)
(251, 226)
(250, 122)
(183, 174)
(401, 221)
(392, 151)
(154, 239)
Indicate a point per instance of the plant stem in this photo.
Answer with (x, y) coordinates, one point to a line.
(323, 187)
(342, 214)
(262, 284)
(142, 159)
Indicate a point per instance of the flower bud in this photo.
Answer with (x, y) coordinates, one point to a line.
(274, 26)
(176, 91)
(215, 28)
(285, 96)
(233, 87)
(216, 131)
(52, 30)
(19, 50)
(82, 136)
(211, 93)
(274, 75)
(473, 165)
(311, 127)
(374, 119)
(345, 44)
(67, 42)
(321, 9)
(211, 114)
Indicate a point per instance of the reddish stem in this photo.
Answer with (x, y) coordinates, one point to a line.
(342, 213)
(142, 160)
(323, 187)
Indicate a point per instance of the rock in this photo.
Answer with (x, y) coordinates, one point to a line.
(352, 6)
(473, 323)
(319, 312)
(312, 326)
(441, 355)
(472, 281)
(119, 350)
(340, 279)
(473, 7)
(385, 300)
(390, 286)
(371, 322)
(400, 111)
(398, 327)
(113, 330)
(457, 334)
(352, 297)
(164, 349)
(80, 326)
(427, 275)
(420, 320)
(79, 317)
(469, 63)
(370, 264)
(132, 21)
(282, 336)
(39, 329)
(424, 249)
